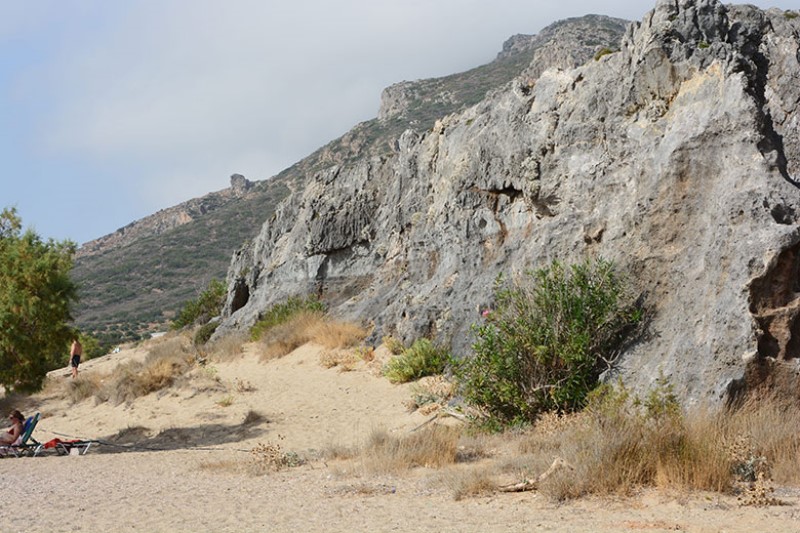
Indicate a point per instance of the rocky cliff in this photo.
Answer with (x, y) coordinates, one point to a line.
(133, 280)
(676, 157)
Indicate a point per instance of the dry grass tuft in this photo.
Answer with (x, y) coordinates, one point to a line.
(284, 338)
(309, 326)
(338, 452)
(394, 345)
(227, 348)
(85, 386)
(165, 363)
(269, 457)
(346, 360)
(334, 334)
(431, 447)
(430, 393)
(469, 482)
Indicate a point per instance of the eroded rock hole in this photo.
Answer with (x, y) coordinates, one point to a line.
(775, 305)
(241, 295)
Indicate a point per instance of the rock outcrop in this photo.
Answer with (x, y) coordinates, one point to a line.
(564, 44)
(676, 157)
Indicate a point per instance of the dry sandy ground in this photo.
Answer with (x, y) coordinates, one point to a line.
(204, 480)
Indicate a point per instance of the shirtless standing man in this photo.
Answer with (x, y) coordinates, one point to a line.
(75, 352)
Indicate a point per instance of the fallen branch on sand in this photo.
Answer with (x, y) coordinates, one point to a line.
(532, 484)
(441, 414)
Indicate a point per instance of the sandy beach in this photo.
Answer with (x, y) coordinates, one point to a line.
(182, 461)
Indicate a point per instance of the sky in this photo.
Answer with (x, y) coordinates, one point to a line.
(113, 110)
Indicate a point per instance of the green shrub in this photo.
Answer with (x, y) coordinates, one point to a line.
(547, 341)
(420, 360)
(282, 312)
(791, 15)
(208, 305)
(204, 333)
(91, 347)
(603, 52)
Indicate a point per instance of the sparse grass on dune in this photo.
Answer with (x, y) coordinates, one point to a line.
(309, 326)
(431, 447)
(135, 379)
(286, 337)
(85, 386)
(166, 361)
(227, 348)
(469, 482)
(618, 451)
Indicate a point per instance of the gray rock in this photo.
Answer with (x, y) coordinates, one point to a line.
(674, 157)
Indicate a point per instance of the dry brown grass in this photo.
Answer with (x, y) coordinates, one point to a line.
(227, 348)
(430, 447)
(334, 334)
(346, 360)
(85, 386)
(166, 362)
(430, 393)
(309, 326)
(609, 452)
(469, 482)
(617, 451)
(770, 425)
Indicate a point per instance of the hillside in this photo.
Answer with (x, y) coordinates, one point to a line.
(134, 280)
(134, 284)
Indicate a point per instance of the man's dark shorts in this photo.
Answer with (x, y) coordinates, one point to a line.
(75, 361)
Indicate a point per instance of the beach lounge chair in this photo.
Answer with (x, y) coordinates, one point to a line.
(28, 446)
(66, 447)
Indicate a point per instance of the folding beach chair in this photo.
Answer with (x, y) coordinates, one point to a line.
(66, 447)
(27, 445)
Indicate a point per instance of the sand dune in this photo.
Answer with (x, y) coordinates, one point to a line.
(190, 467)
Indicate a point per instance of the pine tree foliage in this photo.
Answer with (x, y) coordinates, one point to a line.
(35, 296)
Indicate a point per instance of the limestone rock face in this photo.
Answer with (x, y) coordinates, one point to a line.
(675, 157)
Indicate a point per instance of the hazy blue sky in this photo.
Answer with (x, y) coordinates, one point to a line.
(112, 110)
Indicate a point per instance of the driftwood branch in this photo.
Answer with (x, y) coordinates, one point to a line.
(533, 484)
(441, 414)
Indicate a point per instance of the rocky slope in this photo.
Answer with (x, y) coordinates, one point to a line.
(133, 280)
(168, 219)
(675, 157)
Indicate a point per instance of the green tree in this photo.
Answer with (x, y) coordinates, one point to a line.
(204, 308)
(548, 339)
(35, 295)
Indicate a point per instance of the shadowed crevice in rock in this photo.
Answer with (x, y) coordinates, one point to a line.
(241, 295)
(775, 305)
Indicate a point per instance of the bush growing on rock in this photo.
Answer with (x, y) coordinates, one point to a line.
(548, 339)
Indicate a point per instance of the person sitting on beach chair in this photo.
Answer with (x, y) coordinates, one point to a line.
(14, 433)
